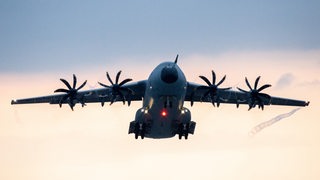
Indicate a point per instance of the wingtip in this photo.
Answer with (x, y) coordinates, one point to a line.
(307, 103)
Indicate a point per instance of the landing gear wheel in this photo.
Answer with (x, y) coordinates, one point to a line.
(183, 130)
(140, 129)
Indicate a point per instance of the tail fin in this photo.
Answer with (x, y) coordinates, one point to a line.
(176, 60)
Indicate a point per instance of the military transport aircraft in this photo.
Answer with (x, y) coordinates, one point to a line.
(163, 94)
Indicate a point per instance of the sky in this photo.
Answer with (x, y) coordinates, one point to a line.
(42, 41)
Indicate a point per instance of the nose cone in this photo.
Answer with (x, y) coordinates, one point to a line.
(169, 74)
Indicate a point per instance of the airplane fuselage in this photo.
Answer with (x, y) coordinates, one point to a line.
(163, 114)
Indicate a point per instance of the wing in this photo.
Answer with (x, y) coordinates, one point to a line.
(101, 95)
(196, 94)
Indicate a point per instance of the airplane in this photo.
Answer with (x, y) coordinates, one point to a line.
(163, 94)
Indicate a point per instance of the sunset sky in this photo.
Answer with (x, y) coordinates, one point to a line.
(42, 41)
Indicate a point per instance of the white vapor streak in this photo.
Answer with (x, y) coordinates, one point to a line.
(265, 124)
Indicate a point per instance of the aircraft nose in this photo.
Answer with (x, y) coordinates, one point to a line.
(169, 74)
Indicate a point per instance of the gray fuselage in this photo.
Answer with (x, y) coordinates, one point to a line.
(163, 109)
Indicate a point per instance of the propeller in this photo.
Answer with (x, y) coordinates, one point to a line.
(71, 92)
(255, 94)
(117, 89)
(211, 89)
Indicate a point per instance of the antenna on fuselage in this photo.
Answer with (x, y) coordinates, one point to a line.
(175, 61)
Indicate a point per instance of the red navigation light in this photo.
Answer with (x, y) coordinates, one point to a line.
(164, 113)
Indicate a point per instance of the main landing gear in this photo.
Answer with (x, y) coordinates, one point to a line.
(139, 129)
(185, 129)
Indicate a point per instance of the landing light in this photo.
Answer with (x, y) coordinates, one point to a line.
(164, 113)
(184, 111)
(145, 111)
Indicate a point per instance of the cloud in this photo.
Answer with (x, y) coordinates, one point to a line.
(285, 80)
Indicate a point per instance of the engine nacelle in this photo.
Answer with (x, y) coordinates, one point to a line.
(139, 125)
(185, 125)
(185, 116)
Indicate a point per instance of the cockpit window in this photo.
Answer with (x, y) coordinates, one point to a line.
(169, 74)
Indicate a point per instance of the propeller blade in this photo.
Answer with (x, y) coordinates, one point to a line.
(110, 80)
(104, 85)
(63, 99)
(248, 84)
(222, 80)
(82, 85)
(122, 97)
(256, 82)
(242, 90)
(205, 95)
(125, 81)
(202, 87)
(117, 77)
(213, 77)
(267, 96)
(62, 90)
(74, 81)
(71, 105)
(205, 80)
(129, 93)
(113, 98)
(223, 89)
(128, 90)
(264, 87)
(212, 102)
(191, 98)
(129, 99)
(260, 102)
(218, 103)
(66, 83)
